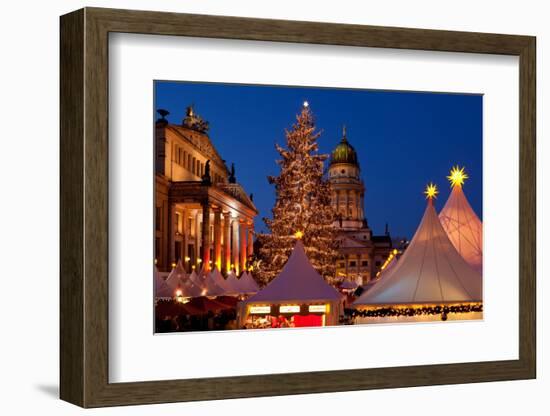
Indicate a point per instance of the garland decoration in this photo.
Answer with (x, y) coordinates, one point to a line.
(396, 311)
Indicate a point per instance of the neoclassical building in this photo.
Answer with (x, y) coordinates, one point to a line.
(202, 215)
(361, 254)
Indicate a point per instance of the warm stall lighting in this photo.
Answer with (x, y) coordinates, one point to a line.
(260, 309)
(289, 309)
(317, 308)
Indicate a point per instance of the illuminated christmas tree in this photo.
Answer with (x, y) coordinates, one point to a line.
(303, 204)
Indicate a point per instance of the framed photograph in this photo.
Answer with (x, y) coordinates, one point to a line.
(257, 207)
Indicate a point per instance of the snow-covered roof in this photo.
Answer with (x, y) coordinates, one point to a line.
(297, 282)
(430, 271)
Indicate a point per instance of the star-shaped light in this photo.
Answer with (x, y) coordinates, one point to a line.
(457, 176)
(306, 104)
(298, 235)
(431, 191)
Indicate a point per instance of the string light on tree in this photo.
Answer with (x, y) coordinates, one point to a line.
(303, 208)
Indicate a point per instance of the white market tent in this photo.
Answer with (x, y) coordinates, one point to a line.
(176, 275)
(219, 280)
(178, 280)
(162, 290)
(248, 284)
(430, 271)
(463, 227)
(297, 283)
(348, 285)
(234, 284)
(211, 287)
(194, 277)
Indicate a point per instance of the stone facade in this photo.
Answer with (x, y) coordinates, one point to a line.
(361, 254)
(202, 215)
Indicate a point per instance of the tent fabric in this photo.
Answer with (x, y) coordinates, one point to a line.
(463, 227)
(212, 288)
(247, 284)
(162, 290)
(194, 277)
(297, 282)
(430, 271)
(178, 279)
(348, 285)
(219, 280)
(234, 284)
(176, 275)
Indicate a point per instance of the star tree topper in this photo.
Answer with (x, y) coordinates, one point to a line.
(457, 176)
(431, 191)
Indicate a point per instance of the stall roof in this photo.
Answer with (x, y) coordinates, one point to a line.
(297, 282)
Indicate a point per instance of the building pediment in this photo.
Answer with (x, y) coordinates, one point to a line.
(201, 141)
(237, 192)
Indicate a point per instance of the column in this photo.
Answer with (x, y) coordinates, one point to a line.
(359, 267)
(242, 240)
(217, 239)
(197, 239)
(251, 239)
(205, 236)
(235, 248)
(227, 240)
(347, 204)
(171, 234)
(186, 232)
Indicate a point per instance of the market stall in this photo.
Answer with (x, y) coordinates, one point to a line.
(298, 296)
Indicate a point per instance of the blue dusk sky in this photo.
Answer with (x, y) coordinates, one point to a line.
(403, 140)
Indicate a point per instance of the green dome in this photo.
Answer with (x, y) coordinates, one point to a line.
(344, 153)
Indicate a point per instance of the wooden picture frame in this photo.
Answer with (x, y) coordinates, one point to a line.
(84, 207)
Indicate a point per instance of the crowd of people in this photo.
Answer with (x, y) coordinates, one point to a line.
(208, 321)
